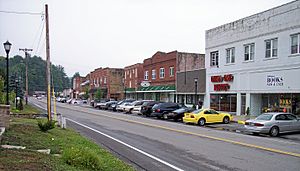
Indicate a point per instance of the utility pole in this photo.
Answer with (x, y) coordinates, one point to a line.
(26, 72)
(48, 64)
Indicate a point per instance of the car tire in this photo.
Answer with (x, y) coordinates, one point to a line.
(165, 116)
(226, 120)
(274, 131)
(201, 122)
(130, 111)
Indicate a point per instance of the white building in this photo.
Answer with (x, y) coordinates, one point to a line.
(255, 62)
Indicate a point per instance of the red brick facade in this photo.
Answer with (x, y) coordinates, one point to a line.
(133, 75)
(158, 61)
(109, 80)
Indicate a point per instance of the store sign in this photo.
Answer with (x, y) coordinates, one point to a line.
(274, 81)
(220, 79)
(145, 84)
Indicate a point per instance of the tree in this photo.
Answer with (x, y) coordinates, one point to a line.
(98, 94)
(86, 92)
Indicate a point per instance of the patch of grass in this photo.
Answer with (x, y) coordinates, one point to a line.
(77, 152)
(28, 109)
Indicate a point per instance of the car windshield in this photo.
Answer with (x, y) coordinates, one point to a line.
(265, 117)
(197, 111)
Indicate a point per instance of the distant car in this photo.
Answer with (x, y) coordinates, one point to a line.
(109, 104)
(273, 124)
(178, 114)
(136, 105)
(113, 106)
(99, 103)
(146, 108)
(203, 116)
(137, 109)
(161, 110)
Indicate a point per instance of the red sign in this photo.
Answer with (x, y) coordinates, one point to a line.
(216, 79)
(228, 78)
(221, 87)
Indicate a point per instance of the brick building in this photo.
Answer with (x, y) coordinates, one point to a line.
(159, 77)
(77, 86)
(109, 81)
(190, 78)
(133, 76)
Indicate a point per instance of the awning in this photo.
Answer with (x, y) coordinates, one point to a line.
(130, 90)
(159, 88)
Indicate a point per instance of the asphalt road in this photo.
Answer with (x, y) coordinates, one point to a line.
(150, 144)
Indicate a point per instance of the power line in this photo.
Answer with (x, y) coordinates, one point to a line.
(38, 31)
(40, 38)
(21, 13)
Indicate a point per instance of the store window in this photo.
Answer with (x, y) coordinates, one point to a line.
(249, 52)
(271, 48)
(214, 58)
(295, 43)
(223, 102)
(230, 55)
(281, 103)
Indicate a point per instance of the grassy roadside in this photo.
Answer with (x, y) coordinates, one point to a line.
(28, 109)
(75, 152)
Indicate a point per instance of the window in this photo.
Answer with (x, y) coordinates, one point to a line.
(146, 75)
(214, 58)
(104, 80)
(129, 74)
(153, 74)
(230, 55)
(249, 52)
(295, 43)
(171, 71)
(129, 84)
(271, 48)
(135, 72)
(162, 73)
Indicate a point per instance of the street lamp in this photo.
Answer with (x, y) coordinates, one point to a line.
(7, 47)
(196, 87)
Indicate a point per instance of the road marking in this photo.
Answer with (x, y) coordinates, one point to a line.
(129, 146)
(199, 135)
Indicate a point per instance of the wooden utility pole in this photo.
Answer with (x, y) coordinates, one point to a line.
(26, 72)
(48, 64)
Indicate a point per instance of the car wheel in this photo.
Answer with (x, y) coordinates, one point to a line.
(165, 116)
(201, 122)
(130, 111)
(226, 120)
(274, 131)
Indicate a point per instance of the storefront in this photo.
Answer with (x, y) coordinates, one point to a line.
(261, 91)
(164, 93)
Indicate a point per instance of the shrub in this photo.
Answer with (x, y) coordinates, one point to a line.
(82, 157)
(45, 126)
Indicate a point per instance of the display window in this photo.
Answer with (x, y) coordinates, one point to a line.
(223, 102)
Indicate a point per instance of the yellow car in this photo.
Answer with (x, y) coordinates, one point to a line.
(203, 116)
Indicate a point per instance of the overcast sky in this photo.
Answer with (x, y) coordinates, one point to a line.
(87, 34)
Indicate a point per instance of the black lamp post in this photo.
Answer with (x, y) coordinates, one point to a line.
(7, 47)
(196, 87)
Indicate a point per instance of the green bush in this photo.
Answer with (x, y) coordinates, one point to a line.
(82, 158)
(45, 126)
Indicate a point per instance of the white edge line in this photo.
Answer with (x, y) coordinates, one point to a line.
(129, 146)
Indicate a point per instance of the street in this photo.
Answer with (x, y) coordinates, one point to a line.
(151, 144)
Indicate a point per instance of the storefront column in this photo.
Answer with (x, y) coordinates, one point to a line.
(248, 101)
(207, 100)
(238, 103)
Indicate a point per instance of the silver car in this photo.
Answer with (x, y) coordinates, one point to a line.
(273, 124)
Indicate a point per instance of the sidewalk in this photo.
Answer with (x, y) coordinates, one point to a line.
(241, 118)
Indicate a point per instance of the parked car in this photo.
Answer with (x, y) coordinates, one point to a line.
(134, 105)
(114, 105)
(178, 114)
(203, 116)
(120, 107)
(109, 104)
(146, 108)
(138, 107)
(92, 102)
(273, 124)
(99, 103)
(161, 110)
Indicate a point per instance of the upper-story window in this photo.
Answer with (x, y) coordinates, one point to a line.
(129, 74)
(214, 58)
(136, 73)
(249, 52)
(171, 71)
(271, 48)
(125, 75)
(146, 76)
(230, 55)
(162, 73)
(295, 43)
(104, 81)
(153, 74)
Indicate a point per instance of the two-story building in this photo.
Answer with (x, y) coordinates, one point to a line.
(109, 81)
(133, 76)
(255, 62)
(190, 78)
(159, 77)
